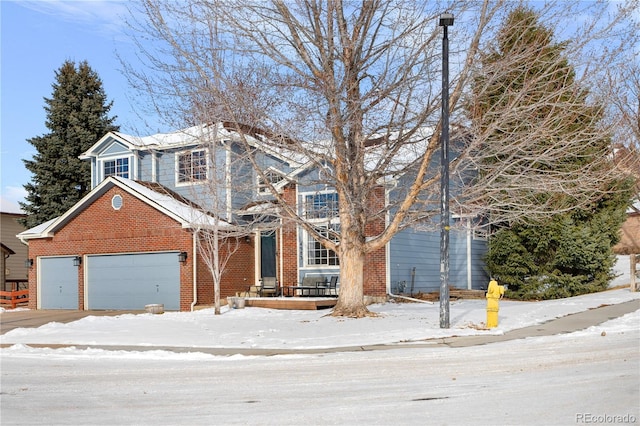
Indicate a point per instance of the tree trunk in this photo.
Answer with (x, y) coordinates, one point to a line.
(351, 299)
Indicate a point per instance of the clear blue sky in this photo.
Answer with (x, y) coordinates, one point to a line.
(37, 37)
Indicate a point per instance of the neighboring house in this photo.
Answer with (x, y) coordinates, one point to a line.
(14, 270)
(119, 247)
(630, 232)
(6, 253)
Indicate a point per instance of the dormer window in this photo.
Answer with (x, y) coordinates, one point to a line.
(272, 176)
(117, 167)
(192, 166)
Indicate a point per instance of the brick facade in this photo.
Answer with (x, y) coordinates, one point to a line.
(375, 271)
(289, 243)
(136, 227)
(375, 283)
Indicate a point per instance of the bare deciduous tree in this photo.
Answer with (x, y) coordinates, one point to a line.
(356, 87)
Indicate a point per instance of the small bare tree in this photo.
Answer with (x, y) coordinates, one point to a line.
(214, 174)
(354, 89)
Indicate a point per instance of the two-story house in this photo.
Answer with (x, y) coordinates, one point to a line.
(132, 239)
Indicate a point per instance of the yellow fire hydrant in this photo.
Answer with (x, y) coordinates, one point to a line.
(494, 294)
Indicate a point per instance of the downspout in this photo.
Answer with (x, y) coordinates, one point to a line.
(412, 299)
(195, 273)
(280, 259)
(469, 277)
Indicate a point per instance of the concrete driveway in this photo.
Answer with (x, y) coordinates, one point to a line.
(36, 318)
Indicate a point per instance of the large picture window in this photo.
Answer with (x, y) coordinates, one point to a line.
(118, 167)
(317, 254)
(322, 210)
(192, 166)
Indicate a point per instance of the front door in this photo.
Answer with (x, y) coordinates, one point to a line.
(268, 254)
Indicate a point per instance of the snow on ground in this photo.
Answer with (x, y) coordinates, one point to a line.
(283, 329)
(577, 378)
(588, 376)
(622, 271)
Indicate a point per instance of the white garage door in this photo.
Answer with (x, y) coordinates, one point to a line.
(132, 281)
(58, 283)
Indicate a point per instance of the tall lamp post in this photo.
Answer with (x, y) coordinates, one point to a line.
(446, 20)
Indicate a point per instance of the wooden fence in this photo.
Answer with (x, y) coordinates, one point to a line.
(13, 298)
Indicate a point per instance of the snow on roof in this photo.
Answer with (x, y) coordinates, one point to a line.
(187, 214)
(36, 231)
(188, 136)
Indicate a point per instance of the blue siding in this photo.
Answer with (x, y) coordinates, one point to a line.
(114, 149)
(409, 249)
(145, 167)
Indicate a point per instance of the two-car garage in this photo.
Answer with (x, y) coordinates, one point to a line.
(125, 245)
(113, 281)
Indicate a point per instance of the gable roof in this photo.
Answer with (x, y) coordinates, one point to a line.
(188, 214)
(179, 138)
(7, 249)
(191, 136)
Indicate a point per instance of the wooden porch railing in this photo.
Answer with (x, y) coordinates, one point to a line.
(13, 298)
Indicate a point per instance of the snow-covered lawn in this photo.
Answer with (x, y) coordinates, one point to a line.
(589, 376)
(280, 329)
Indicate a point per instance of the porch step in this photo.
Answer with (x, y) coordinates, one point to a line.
(291, 303)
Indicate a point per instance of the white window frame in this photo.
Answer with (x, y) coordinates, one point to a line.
(330, 257)
(262, 187)
(191, 180)
(103, 161)
(323, 221)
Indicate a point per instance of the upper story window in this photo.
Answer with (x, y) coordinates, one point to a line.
(192, 166)
(117, 167)
(321, 206)
(272, 176)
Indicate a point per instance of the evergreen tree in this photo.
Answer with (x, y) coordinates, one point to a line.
(77, 117)
(569, 252)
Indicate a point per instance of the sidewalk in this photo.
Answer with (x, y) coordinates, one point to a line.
(562, 325)
(36, 318)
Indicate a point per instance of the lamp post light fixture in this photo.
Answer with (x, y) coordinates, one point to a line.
(77, 261)
(182, 256)
(446, 20)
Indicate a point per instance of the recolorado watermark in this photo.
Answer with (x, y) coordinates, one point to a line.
(588, 418)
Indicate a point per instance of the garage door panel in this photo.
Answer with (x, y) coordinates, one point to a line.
(58, 283)
(134, 280)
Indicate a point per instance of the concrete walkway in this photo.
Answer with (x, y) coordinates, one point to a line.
(566, 324)
(32, 319)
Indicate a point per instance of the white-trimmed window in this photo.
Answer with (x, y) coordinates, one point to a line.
(272, 176)
(321, 209)
(116, 167)
(191, 166)
(321, 206)
(317, 254)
